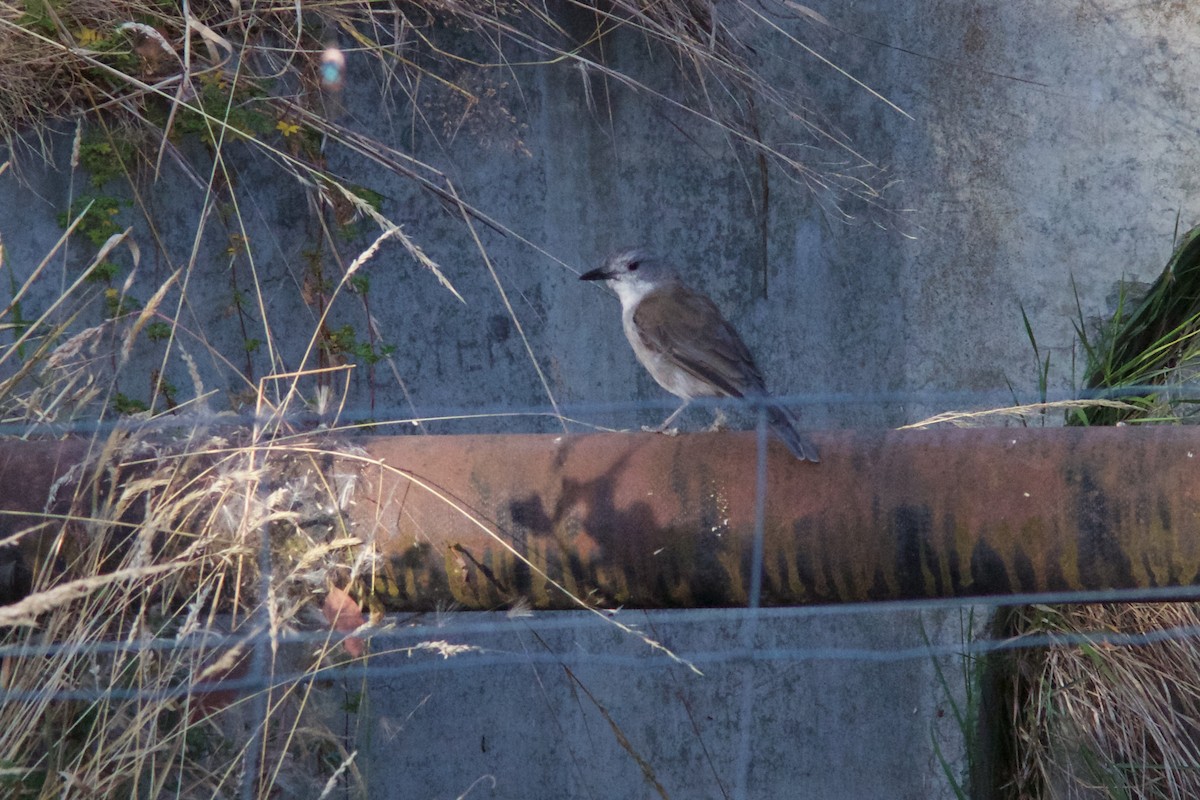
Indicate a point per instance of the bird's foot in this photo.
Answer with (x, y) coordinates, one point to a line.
(660, 429)
(719, 421)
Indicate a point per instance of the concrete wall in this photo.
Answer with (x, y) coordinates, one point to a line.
(790, 705)
(1043, 144)
(1040, 142)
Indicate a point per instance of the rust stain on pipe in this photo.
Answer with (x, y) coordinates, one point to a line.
(646, 520)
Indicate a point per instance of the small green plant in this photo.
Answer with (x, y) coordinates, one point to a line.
(125, 405)
(966, 707)
(343, 341)
(38, 16)
(106, 158)
(99, 221)
(222, 102)
(117, 304)
(360, 283)
(158, 331)
(104, 272)
(240, 307)
(1043, 372)
(114, 51)
(165, 389)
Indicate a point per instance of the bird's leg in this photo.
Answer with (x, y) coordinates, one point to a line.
(718, 423)
(666, 423)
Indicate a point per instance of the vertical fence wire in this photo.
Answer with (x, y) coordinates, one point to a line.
(261, 653)
(748, 631)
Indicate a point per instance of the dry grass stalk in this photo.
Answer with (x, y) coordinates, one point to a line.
(115, 674)
(1023, 413)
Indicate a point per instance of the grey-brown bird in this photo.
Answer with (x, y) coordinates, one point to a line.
(685, 343)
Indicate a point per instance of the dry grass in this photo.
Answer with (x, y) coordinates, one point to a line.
(1108, 721)
(170, 566)
(149, 594)
(166, 569)
(247, 71)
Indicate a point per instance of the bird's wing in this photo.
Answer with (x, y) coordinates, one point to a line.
(687, 328)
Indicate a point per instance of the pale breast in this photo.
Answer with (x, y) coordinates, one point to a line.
(663, 369)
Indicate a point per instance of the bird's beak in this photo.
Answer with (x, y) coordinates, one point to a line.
(595, 275)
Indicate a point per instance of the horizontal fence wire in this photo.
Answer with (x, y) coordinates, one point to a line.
(383, 418)
(401, 634)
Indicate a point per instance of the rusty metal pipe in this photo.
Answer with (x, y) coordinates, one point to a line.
(651, 521)
(644, 520)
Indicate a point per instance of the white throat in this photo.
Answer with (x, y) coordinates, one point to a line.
(632, 289)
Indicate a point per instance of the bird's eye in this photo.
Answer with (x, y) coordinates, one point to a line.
(634, 265)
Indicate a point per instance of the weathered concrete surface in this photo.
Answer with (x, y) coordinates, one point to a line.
(1047, 140)
(580, 711)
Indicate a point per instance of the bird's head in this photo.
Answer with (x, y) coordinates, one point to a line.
(632, 273)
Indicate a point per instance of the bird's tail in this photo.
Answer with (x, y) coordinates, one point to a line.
(781, 422)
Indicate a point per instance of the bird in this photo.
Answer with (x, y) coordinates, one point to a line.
(680, 336)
